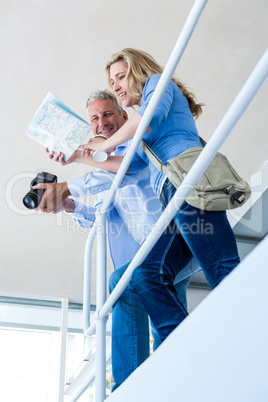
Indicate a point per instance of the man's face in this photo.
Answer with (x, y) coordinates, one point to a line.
(105, 118)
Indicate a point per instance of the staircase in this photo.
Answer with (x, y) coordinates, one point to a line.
(219, 353)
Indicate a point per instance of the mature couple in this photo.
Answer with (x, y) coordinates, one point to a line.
(158, 287)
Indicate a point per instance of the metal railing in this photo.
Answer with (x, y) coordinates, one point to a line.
(232, 116)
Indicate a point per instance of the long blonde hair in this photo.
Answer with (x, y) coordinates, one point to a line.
(141, 66)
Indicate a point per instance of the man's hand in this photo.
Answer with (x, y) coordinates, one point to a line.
(69, 205)
(54, 196)
(59, 157)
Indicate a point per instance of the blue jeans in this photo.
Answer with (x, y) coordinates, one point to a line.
(153, 282)
(130, 331)
(181, 290)
(208, 235)
(211, 240)
(130, 328)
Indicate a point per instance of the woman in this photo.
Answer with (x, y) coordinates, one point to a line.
(133, 75)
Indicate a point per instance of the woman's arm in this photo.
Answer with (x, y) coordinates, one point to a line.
(125, 133)
(112, 163)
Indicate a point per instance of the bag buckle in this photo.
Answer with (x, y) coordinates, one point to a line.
(235, 194)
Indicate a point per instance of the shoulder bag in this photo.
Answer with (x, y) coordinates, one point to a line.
(218, 189)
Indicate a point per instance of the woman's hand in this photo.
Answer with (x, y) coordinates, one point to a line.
(85, 150)
(112, 163)
(99, 144)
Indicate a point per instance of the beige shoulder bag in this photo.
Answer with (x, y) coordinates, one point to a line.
(218, 189)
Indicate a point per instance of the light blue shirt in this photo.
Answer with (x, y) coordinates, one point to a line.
(173, 127)
(133, 213)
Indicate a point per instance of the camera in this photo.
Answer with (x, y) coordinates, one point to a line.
(33, 198)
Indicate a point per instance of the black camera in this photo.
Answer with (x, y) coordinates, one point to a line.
(33, 198)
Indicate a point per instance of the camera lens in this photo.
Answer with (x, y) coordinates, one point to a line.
(32, 198)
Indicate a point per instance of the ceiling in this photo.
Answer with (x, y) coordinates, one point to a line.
(62, 46)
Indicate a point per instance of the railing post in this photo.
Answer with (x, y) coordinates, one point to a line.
(100, 384)
(64, 335)
(238, 107)
(87, 279)
(168, 72)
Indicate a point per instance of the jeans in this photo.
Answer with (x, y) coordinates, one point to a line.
(181, 290)
(211, 241)
(208, 235)
(153, 282)
(130, 327)
(130, 331)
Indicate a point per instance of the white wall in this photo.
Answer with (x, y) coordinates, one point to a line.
(62, 46)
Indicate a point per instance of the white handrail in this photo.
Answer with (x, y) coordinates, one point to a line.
(100, 378)
(238, 107)
(168, 72)
(87, 278)
(160, 89)
(236, 110)
(174, 59)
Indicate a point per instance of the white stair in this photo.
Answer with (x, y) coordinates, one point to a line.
(220, 352)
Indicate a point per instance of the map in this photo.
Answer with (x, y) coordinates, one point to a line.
(57, 128)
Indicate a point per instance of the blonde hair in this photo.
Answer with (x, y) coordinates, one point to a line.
(140, 66)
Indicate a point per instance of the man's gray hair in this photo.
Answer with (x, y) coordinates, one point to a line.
(102, 95)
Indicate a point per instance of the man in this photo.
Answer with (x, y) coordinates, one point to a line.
(130, 321)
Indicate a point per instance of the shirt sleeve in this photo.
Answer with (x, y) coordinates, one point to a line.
(137, 163)
(101, 180)
(91, 183)
(84, 216)
(164, 106)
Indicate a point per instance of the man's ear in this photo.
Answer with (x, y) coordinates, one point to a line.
(125, 116)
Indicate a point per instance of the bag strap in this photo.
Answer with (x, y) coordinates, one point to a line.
(203, 142)
(155, 160)
(237, 195)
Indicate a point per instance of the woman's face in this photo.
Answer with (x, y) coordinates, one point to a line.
(118, 72)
